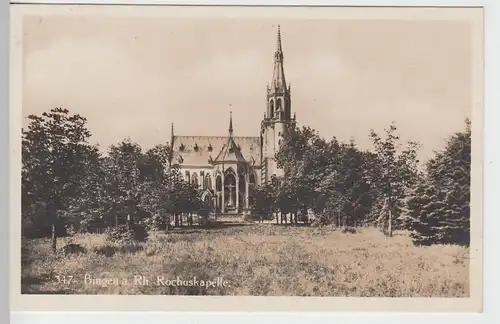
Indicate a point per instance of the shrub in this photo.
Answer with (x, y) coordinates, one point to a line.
(155, 222)
(73, 248)
(127, 233)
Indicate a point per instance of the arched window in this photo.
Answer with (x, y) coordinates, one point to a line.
(218, 183)
(229, 179)
(241, 183)
(279, 104)
(207, 182)
(271, 108)
(188, 178)
(194, 179)
(287, 109)
(252, 178)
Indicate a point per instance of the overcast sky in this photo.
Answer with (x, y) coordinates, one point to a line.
(133, 77)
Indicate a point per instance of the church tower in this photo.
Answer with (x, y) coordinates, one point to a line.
(278, 117)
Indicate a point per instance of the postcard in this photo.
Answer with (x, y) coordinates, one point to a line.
(246, 158)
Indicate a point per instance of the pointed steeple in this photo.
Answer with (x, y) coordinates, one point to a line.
(231, 123)
(231, 151)
(278, 43)
(279, 72)
(172, 135)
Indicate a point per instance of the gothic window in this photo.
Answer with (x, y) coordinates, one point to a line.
(218, 183)
(196, 147)
(229, 179)
(181, 147)
(207, 182)
(195, 179)
(188, 178)
(271, 104)
(241, 183)
(287, 109)
(279, 104)
(210, 148)
(252, 178)
(202, 179)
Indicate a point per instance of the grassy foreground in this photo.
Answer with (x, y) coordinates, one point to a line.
(259, 259)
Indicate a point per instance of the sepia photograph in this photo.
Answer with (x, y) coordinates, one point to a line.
(225, 151)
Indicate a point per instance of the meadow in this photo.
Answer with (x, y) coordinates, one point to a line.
(256, 259)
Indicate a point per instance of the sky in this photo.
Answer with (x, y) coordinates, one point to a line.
(134, 76)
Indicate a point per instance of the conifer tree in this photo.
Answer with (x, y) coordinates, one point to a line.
(439, 207)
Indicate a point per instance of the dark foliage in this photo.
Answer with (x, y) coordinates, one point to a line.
(439, 206)
(124, 234)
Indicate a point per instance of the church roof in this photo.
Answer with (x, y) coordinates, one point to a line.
(197, 150)
(230, 152)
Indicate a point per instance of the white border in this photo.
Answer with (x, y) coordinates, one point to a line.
(492, 30)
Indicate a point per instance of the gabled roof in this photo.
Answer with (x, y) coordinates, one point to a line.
(230, 152)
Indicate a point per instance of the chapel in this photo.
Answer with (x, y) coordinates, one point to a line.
(226, 169)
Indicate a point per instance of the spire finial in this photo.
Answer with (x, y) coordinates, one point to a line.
(172, 134)
(278, 42)
(279, 73)
(230, 123)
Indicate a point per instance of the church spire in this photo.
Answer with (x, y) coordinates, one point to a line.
(279, 72)
(231, 123)
(278, 44)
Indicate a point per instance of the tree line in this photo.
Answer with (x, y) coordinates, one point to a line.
(384, 186)
(69, 186)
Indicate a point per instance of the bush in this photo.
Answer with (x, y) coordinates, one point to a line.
(73, 248)
(155, 222)
(127, 234)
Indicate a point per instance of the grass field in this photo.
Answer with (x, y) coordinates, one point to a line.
(263, 259)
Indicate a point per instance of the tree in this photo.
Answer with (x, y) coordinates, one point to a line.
(156, 177)
(124, 181)
(304, 156)
(439, 207)
(348, 199)
(392, 171)
(263, 200)
(86, 211)
(55, 150)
